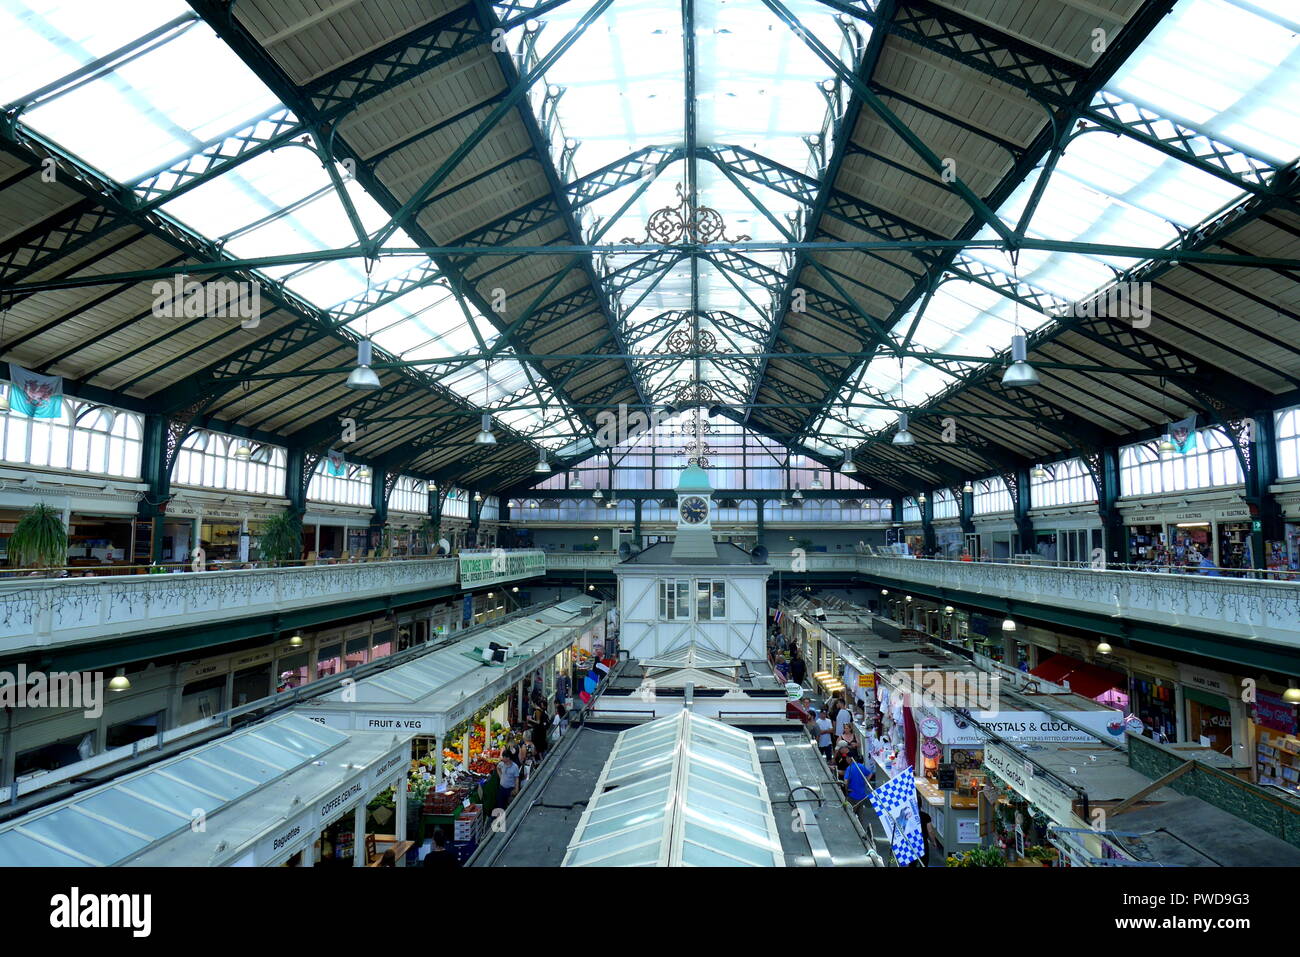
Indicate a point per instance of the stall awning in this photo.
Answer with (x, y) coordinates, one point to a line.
(1086, 679)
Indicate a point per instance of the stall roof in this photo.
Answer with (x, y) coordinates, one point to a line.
(1188, 832)
(110, 824)
(421, 677)
(680, 791)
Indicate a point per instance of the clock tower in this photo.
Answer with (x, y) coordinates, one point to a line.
(694, 516)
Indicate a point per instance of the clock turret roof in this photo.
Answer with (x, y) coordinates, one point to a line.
(694, 479)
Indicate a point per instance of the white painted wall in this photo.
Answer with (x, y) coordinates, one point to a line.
(742, 635)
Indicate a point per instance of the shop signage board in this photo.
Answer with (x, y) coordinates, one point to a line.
(285, 841)
(1048, 798)
(489, 568)
(1212, 682)
(866, 681)
(1273, 712)
(1032, 726)
(968, 830)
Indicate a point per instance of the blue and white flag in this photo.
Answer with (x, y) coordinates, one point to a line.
(895, 805)
(335, 464)
(35, 396)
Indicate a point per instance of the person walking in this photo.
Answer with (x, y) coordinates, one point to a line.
(540, 723)
(823, 727)
(857, 778)
(508, 778)
(798, 669)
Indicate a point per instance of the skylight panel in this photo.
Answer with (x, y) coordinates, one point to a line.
(1226, 69)
(156, 107)
(49, 39)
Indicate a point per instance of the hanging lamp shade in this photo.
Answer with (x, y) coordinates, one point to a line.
(542, 465)
(363, 377)
(848, 465)
(968, 489)
(120, 682)
(797, 495)
(598, 494)
(1020, 373)
(485, 436)
(903, 436)
(242, 452)
(1166, 445)
(815, 483)
(1038, 472)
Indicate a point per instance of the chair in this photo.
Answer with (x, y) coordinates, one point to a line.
(372, 853)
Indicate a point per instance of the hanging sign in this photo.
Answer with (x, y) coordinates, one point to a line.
(1049, 799)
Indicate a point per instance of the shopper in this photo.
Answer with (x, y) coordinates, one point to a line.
(1207, 565)
(508, 776)
(843, 717)
(823, 727)
(857, 780)
(540, 723)
(440, 855)
(797, 668)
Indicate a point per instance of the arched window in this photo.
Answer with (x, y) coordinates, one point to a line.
(86, 437)
(457, 504)
(992, 495)
(409, 494)
(945, 504)
(1288, 443)
(208, 460)
(350, 488)
(1066, 483)
(1213, 462)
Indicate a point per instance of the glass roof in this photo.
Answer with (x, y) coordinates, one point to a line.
(680, 791)
(1229, 68)
(150, 109)
(107, 825)
(621, 88)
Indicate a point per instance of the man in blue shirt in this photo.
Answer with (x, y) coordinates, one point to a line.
(1207, 565)
(856, 777)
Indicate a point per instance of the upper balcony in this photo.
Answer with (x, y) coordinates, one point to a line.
(52, 612)
(1251, 609)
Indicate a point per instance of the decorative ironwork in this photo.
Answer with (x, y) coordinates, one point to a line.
(685, 223)
(695, 393)
(697, 450)
(685, 340)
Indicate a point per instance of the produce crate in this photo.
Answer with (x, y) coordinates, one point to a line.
(469, 825)
(444, 802)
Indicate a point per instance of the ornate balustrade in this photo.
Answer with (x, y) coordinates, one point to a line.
(1241, 607)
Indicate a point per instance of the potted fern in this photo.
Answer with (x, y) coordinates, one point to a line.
(281, 539)
(39, 540)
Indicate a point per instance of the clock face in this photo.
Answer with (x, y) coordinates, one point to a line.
(694, 510)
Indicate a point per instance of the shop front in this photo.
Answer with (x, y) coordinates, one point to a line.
(1276, 746)
(1179, 539)
(1213, 717)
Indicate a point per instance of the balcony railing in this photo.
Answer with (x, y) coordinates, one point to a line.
(56, 611)
(1260, 609)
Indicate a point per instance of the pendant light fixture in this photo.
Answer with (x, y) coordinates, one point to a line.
(120, 682)
(598, 494)
(1038, 472)
(242, 452)
(1166, 445)
(1008, 624)
(485, 436)
(478, 497)
(363, 378)
(920, 499)
(948, 609)
(797, 495)
(1104, 648)
(295, 641)
(4, 396)
(542, 465)
(848, 466)
(363, 472)
(576, 482)
(902, 436)
(1292, 694)
(1020, 374)
(968, 488)
(816, 483)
